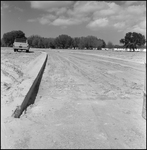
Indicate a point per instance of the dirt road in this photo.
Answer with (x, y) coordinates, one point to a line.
(84, 101)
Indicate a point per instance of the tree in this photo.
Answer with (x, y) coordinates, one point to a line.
(63, 41)
(92, 42)
(36, 41)
(75, 42)
(41, 42)
(110, 45)
(9, 37)
(133, 40)
(101, 44)
(81, 44)
(52, 43)
(2, 43)
(118, 46)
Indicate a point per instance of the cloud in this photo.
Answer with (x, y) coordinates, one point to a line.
(119, 26)
(19, 9)
(140, 27)
(129, 3)
(143, 24)
(102, 22)
(42, 20)
(32, 20)
(121, 16)
(106, 12)
(132, 18)
(84, 8)
(135, 9)
(45, 19)
(87, 6)
(4, 5)
(65, 21)
(136, 28)
(61, 11)
(46, 5)
(109, 9)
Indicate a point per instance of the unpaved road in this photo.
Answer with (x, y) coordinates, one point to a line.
(84, 101)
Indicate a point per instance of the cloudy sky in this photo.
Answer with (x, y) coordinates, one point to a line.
(107, 20)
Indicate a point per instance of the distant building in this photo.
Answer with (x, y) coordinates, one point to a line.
(127, 49)
(105, 49)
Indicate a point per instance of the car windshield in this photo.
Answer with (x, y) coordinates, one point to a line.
(22, 40)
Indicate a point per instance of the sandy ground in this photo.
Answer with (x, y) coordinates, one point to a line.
(13, 66)
(86, 99)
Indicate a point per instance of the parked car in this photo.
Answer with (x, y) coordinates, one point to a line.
(21, 44)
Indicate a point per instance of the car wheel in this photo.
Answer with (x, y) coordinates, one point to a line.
(27, 51)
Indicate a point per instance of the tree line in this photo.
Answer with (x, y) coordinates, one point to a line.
(61, 42)
(131, 40)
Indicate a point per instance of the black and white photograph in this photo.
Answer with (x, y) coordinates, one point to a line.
(73, 74)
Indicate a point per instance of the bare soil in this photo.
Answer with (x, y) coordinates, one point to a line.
(87, 100)
(13, 65)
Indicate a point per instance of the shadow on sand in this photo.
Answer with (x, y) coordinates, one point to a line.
(22, 51)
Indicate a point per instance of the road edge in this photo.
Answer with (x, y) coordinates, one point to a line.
(34, 72)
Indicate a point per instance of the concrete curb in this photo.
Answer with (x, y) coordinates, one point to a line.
(28, 89)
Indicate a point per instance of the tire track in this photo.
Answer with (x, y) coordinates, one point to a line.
(76, 107)
(101, 77)
(117, 61)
